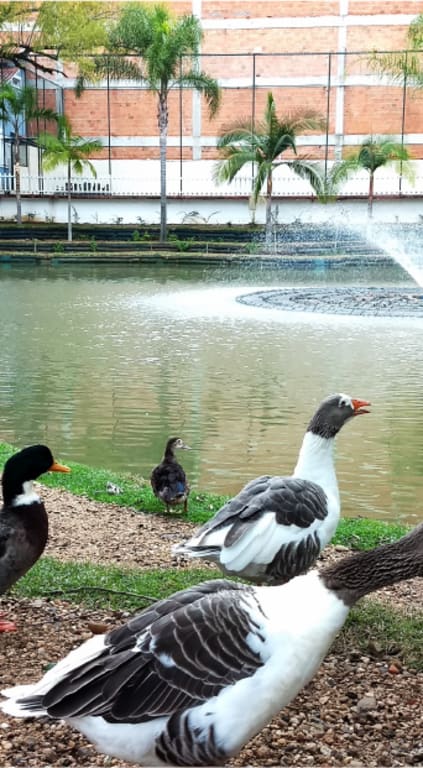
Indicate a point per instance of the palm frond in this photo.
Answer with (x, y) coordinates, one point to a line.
(201, 82)
(342, 170)
(227, 169)
(112, 66)
(312, 172)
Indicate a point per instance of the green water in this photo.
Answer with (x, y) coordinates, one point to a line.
(104, 363)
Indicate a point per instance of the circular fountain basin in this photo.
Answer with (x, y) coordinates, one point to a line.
(383, 302)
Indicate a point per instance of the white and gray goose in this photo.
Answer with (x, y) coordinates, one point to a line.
(276, 527)
(191, 679)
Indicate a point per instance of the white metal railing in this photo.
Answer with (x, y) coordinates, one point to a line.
(198, 186)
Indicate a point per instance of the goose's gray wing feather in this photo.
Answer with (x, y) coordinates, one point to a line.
(176, 654)
(293, 501)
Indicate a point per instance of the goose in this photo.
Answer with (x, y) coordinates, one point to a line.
(189, 680)
(168, 479)
(23, 518)
(276, 527)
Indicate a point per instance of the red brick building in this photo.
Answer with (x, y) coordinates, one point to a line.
(309, 54)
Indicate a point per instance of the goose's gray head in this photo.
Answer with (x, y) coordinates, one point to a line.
(334, 412)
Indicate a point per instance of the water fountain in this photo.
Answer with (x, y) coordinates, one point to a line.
(402, 244)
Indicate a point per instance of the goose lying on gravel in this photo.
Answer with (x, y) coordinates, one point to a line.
(192, 678)
(23, 518)
(276, 527)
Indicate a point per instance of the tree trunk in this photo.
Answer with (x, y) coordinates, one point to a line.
(69, 204)
(163, 119)
(371, 194)
(269, 189)
(17, 170)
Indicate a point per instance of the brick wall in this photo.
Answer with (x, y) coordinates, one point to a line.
(233, 31)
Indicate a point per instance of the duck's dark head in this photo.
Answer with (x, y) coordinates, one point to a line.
(173, 443)
(334, 412)
(26, 466)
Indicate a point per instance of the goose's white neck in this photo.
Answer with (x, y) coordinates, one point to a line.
(315, 460)
(29, 496)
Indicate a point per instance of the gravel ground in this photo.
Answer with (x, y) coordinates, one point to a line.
(360, 710)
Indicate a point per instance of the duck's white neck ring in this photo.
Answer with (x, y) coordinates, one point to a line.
(29, 496)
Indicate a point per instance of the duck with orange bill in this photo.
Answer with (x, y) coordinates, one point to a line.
(23, 517)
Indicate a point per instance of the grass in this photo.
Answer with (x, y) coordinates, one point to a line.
(395, 632)
(363, 533)
(101, 586)
(355, 533)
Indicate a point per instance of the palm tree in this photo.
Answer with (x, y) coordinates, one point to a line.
(263, 144)
(372, 154)
(168, 46)
(68, 149)
(404, 67)
(17, 107)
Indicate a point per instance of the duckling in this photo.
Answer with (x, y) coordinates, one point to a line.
(168, 479)
(193, 677)
(276, 527)
(23, 518)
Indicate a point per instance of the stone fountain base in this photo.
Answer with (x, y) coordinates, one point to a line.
(383, 302)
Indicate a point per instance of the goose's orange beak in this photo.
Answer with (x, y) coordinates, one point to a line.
(55, 467)
(360, 406)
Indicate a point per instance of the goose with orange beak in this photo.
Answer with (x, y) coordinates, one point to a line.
(23, 518)
(276, 527)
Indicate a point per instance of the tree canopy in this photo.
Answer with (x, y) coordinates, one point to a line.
(41, 33)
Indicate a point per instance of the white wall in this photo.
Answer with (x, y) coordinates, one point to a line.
(222, 211)
(132, 193)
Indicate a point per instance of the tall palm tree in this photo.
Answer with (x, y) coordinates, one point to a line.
(68, 149)
(373, 153)
(17, 107)
(168, 46)
(263, 144)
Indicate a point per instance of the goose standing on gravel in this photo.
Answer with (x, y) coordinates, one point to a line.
(23, 518)
(276, 527)
(192, 678)
(168, 479)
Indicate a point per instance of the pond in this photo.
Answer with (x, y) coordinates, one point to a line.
(104, 363)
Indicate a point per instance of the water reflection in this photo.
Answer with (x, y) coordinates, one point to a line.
(104, 363)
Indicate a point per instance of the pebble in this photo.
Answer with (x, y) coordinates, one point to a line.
(366, 703)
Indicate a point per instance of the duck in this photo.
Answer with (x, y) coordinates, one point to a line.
(23, 517)
(168, 479)
(189, 680)
(276, 526)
